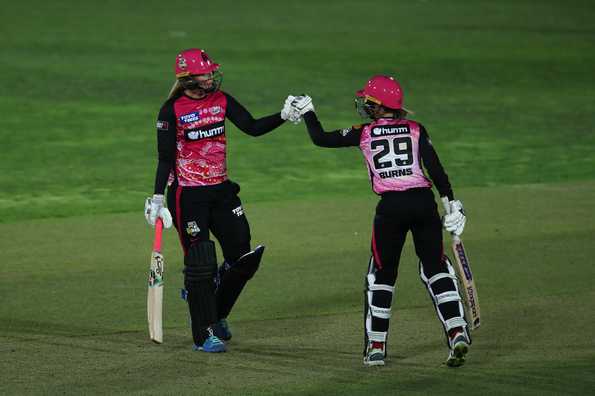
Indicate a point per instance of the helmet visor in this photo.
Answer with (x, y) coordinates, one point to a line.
(208, 82)
(364, 107)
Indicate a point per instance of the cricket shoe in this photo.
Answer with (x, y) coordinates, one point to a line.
(374, 354)
(212, 344)
(459, 346)
(221, 330)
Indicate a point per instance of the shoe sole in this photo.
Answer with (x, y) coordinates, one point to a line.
(460, 350)
(371, 363)
(211, 351)
(217, 350)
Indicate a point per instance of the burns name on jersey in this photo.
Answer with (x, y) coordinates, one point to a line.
(395, 173)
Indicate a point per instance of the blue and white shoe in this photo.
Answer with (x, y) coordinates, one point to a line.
(212, 344)
(221, 330)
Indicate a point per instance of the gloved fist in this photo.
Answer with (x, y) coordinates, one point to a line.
(302, 104)
(154, 208)
(454, 220)
(288, 112)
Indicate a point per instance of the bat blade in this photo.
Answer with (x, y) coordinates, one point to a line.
(463, 267)
(465, 276)
(155, 288)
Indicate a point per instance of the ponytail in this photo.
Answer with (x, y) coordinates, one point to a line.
(175, 90)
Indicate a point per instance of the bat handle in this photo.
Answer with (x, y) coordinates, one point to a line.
(158, 234)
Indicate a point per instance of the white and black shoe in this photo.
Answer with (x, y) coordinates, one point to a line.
(459, 346)
(375, 353)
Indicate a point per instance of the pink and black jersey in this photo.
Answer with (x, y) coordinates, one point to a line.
(191, 138)
(200, 140)
(394, 152)
(391, 150)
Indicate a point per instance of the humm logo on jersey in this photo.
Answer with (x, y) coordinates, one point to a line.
(390, 130)
(204, 132)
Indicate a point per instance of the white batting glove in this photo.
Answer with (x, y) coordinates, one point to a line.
(302, 104)
(154, 208)
(288, 112)
(454, 220)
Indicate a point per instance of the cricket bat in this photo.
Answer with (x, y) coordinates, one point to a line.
(155, 291)
(465, 276)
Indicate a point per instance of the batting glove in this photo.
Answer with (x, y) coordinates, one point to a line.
(302, 104)
(454, 220)
(154, 208)
(288, 112)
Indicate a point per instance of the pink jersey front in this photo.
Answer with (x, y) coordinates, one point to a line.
(391, 150)
(201, 143)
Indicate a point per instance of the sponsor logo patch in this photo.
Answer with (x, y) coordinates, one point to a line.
(182, 62)
(239, 211)
(345, 131)
(190, 117)
(390, 130)
(207, 131)
(162, 125)
(215, 110)
(192, 228)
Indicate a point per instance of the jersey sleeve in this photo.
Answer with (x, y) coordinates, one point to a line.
(433, 166)
(242, 119)
(166, 145)
(348, 137)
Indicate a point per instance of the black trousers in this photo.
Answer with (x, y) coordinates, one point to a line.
(198, 211)
(397, 213)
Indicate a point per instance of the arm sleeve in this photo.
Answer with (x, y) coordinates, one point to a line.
(347, 137)
(433, 166)
(242, 119)
(166, 146)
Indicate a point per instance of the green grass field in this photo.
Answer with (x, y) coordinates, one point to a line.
(505, 89)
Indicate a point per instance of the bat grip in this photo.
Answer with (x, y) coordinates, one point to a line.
(158, 234)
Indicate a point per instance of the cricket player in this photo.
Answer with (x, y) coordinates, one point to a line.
(396, 151)
(192, 142)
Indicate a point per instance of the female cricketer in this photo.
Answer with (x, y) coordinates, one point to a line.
(395, 148)
(191, 142)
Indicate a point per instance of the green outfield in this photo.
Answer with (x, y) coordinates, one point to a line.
(505, 89)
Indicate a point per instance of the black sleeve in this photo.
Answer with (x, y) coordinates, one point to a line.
(246, 123)
(347, 137)
(166, 145)
(433, 166)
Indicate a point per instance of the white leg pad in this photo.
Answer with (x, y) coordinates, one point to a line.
(373, 310)
(383, 313)
(377, 336)
(445, 297)
(455, 322)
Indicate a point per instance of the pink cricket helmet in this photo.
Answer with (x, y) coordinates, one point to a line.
(383, 90)
(194, 61)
